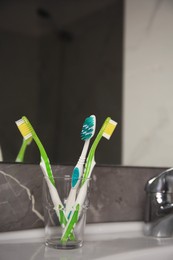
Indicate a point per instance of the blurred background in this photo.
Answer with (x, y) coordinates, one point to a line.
(61, 61)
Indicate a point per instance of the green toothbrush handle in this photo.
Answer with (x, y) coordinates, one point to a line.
(20, 156)
(63, 222)
(75, 212)
(71, 225)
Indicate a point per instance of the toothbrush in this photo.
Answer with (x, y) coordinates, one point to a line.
(1, 156)
(58, 206)
(27, 132)
(88, 130)
(106, 131)
(21, 154)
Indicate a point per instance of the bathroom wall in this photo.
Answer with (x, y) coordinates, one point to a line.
(148, 83)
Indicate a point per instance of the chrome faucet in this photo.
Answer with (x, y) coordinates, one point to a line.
(159, 205)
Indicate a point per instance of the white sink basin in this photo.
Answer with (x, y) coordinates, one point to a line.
(122, 241)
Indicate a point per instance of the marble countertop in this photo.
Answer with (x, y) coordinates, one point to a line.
(102, 241)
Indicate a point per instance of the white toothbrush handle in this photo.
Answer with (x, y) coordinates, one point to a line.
(53, 192)
(76, 175)
(83, 190)
(70, 201)
(82, 194)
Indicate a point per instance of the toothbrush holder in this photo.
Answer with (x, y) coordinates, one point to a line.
(54, 225)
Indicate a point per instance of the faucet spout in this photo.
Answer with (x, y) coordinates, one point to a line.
(159, 205)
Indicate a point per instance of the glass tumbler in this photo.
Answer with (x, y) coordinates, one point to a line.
(56, 216)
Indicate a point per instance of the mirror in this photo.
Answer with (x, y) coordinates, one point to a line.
(60, 61)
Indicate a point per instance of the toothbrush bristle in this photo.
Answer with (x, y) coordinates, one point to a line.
(24, 129)
(88, 128)
(109, 129)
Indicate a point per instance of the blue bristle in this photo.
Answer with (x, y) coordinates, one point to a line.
(88, 128)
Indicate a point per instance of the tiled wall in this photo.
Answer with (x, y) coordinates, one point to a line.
(117, 194)
(148, 79)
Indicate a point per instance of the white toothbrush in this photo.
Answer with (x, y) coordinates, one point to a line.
(88, 130)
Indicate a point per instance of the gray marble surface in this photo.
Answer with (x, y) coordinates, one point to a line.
(117, 194)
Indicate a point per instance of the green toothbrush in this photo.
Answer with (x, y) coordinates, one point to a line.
(106, 131)
(21, 153)
(27, 132)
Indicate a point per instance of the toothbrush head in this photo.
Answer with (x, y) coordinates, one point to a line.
(109, 128)
(88, 128)
(25, 128)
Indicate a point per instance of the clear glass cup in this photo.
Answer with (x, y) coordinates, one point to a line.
(56, 216)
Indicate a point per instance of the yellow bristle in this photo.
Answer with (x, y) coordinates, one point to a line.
(24, 129)
(109, 129)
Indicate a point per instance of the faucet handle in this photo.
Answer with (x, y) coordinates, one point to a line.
(166, 208)
(161, 183)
